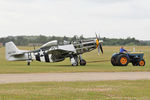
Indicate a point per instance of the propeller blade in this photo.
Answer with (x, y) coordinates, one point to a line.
(97, 40)
(101, 48)
(99, 45)
(96, 36)
(98, 49)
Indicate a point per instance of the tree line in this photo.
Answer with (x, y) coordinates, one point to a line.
(41, 39)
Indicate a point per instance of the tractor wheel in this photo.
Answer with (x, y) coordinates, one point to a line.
(122, 60)
(113, 60)
(82, 62)
(141, 62)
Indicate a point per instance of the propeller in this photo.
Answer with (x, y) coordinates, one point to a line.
(99, 45)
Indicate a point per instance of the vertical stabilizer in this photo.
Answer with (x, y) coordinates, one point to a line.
(10, 49)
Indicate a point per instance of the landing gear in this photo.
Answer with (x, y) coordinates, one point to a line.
(75, 60)
(82, 61)
(29, 59)
(28, 62)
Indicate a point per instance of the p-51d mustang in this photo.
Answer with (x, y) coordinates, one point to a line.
(53, 52)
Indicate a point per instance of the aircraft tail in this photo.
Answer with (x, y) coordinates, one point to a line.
(12, 53)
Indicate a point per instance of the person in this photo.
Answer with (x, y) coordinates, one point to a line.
(122, 50)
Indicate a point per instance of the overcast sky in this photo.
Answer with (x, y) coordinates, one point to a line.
(110, 18)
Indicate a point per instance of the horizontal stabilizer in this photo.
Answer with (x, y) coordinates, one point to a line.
(12, 52)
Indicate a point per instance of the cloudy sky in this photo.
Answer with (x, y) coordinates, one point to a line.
(110, 18)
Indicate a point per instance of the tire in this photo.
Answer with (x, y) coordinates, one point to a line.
(141, 62)
(28, 63)
(82, 62)
(113, 60)
(122, 60)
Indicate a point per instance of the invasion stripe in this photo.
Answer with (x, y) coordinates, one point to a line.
(46, 57)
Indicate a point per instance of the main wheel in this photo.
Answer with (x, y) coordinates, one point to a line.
(141, 62)
(82, 62)
(122, 60)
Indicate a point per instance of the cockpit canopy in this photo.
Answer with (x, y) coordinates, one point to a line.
(49, 44)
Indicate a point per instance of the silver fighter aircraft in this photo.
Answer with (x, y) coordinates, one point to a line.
(53, 52)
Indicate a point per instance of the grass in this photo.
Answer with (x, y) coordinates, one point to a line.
(97, 90)
(65, 66)
(101, 90)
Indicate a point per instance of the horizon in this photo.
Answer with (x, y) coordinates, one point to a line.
(71, 36)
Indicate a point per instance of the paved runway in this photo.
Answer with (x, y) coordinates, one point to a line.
(81, 76)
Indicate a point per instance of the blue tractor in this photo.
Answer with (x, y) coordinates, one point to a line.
(123, 59)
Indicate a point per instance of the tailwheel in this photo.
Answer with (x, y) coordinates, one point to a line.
(123, 60)
(141, 62)
(28, 62)
(82, 62)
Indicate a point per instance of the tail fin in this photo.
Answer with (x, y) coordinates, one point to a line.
(10, 49)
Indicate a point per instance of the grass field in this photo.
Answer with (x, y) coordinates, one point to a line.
(102, 90)
(65, 66)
